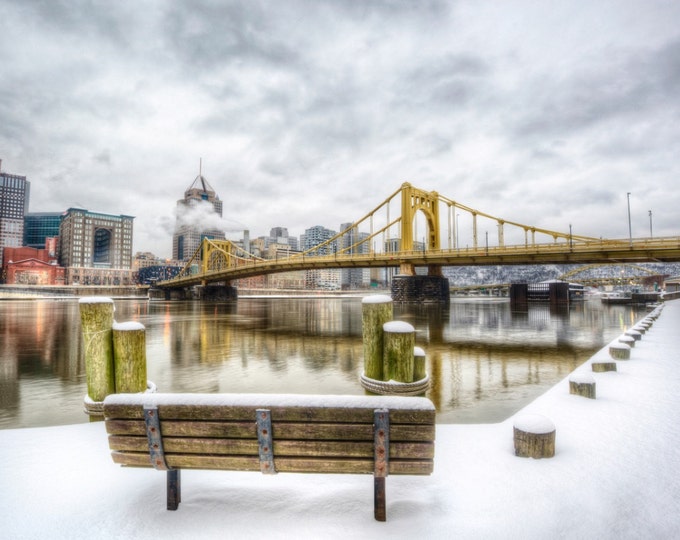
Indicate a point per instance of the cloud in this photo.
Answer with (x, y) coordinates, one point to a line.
(312, 112)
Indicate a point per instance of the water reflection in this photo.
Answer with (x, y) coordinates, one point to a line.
(485, 360)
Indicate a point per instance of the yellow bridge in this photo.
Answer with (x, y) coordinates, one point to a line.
(386, 241)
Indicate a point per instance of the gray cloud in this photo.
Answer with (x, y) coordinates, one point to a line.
(312, 112)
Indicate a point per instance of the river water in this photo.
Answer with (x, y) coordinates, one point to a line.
(484, 360)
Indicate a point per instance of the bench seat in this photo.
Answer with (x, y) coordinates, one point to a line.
(273, 433)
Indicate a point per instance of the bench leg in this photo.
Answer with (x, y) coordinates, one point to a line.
(379, 511)
(174, 489)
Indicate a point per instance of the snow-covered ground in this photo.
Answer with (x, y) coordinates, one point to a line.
(614, 475)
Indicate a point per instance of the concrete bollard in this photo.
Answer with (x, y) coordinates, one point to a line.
(376, 310)
(96, 316)
(582, 384)
(129, 357)
(534, 436)
(399, 340)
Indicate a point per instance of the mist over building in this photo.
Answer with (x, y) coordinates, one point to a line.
(198, 216)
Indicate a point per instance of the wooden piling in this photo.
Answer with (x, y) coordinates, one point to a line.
(419, 364)
(619, 351)
(600, 367)
(582, 384)
(96, 319)
(534, 436)
(376, 310)
(129, 357)
(399, 340)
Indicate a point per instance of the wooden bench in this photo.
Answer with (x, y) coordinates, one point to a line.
(377, 435)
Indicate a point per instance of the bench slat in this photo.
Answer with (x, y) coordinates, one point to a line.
(282, 448)
(294, 465)
(283, 430)
(278, 414)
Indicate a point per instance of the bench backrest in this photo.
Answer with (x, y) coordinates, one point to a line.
(333, 434)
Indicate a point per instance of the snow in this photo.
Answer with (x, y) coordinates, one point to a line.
(613, 476)
(271, 400)
(533, 423)
(398, 327)
(127, 326)
(95, 300)
(377, 299)
(582, 378)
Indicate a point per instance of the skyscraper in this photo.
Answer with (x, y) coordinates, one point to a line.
(14, 198)
(199, 215)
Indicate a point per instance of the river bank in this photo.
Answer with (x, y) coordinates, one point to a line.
(612, 476)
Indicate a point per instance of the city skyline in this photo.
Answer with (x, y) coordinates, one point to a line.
(311, 113)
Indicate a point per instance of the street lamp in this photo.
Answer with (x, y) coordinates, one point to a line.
(571, 240)
(630, 230)
(457, 244)
(650, 224)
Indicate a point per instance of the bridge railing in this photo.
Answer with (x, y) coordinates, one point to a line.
(638, 247)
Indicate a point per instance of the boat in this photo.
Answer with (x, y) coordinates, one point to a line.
(616, 297)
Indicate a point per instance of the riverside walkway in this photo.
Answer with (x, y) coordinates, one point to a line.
(614, 475)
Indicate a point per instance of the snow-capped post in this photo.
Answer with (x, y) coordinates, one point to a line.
(96, 317)
(619, 351)
(600, 367)
(419, 364)
(376, 310)
(534, 436)
(399, 342)
(628, 340)
(582, 384)
(129, 357)
(637, 336)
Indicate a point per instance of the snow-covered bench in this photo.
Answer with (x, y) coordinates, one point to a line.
(377, 435)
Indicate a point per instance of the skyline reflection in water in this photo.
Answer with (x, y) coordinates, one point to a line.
(485, 361)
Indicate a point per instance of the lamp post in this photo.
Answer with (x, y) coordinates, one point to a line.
(571, 240)
(457, 244)
(630, 230)
(650, 224)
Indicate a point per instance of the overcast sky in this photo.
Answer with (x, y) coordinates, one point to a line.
(312, 112)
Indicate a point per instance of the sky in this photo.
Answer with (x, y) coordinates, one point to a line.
(303, 113)
(613, 476)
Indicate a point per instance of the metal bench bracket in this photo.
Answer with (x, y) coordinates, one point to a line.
(265, 441)
(153, 434)
(381, 446)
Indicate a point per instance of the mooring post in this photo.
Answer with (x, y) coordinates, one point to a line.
(376, 310)
(398, 358)
(419, 364)
(96, 317)
(129, 357)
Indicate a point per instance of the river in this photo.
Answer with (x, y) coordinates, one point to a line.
(484, 360)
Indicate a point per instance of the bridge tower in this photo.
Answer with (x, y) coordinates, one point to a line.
(407, 286)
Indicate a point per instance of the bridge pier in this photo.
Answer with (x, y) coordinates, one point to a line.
(420, 289)
(217, 293)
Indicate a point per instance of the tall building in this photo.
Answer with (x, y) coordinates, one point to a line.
(96, 249)
(324, 278)
(14, 198)
(279, 235)
(351, 243)
(39, 226)
(199, 215)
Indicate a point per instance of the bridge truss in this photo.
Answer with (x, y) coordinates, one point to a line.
(388, 240)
